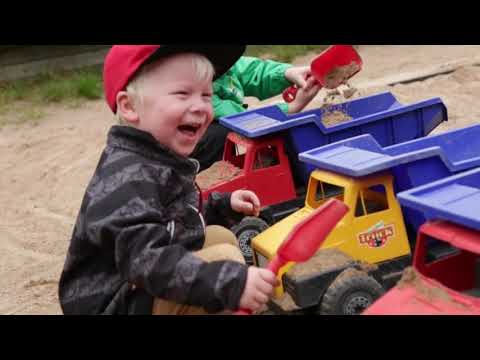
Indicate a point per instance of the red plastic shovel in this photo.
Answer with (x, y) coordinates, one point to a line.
(326, 64)
(306, 237)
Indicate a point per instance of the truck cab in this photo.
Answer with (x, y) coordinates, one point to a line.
(262, 166)
(445, 278)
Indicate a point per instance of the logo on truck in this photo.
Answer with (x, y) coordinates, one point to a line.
(377, 236)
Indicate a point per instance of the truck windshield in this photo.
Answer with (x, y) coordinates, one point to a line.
(371, 200)
(235, 154)
(266, 157)
(320, 191)
(453, 267)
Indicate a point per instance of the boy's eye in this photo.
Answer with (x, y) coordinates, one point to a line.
(181, 93)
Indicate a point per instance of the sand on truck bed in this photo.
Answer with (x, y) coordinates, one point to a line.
(219, 172)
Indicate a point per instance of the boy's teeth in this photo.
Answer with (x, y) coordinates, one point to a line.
(188, 129)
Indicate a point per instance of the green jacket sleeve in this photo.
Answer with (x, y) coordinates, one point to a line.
(230, 107)
(261, 78)
(250, 76)
(224, 107)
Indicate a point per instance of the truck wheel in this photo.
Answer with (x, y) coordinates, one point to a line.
(247, 229)
(350, 293)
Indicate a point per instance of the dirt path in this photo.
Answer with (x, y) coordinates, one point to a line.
(45, 168)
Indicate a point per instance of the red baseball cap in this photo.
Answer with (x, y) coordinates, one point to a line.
(123, 62)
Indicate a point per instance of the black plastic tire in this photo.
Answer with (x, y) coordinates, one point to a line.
(247, 229)
(350, 293)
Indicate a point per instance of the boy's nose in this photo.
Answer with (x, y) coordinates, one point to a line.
(201, 105)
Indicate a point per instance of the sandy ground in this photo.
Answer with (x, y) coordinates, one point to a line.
(44, 168)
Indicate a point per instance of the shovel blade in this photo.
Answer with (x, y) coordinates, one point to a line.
(335, 57)
(307, 236)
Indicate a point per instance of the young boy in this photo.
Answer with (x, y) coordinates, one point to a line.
(140, 244)
(258, 78)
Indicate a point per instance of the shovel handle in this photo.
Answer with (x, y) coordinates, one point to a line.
(274, 266)
(290, 94)
(243, 312)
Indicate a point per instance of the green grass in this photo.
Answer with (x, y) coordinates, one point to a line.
(13, 91)
(70, 88)
(55, 87)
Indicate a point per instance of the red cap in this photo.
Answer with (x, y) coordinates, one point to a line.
(123, 62)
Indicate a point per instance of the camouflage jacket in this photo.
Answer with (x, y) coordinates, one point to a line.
(138, 224)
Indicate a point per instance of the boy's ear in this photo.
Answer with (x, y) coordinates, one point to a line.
(126, 107)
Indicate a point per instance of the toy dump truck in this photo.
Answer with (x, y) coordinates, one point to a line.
(368, 250)
(445, 277)
(262, 154)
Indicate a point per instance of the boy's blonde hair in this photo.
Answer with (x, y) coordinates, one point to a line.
(203, 70)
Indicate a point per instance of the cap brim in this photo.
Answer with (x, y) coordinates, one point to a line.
(223, 57)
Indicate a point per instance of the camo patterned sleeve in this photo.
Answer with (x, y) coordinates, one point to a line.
(218, 211)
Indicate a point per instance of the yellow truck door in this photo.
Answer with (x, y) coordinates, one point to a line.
(378, 228)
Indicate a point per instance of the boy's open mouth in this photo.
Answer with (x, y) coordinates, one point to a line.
(189, 130)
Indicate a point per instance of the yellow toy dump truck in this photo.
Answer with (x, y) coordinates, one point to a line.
(369, 248)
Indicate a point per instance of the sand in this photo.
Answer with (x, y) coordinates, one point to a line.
(219, 172)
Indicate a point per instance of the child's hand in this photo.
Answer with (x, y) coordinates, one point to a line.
(298, 76)
(304, 96)
(245, 202)
(258, 289)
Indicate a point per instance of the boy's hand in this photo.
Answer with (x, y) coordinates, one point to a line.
(258, 289)
(245, 202)
(304, 96)
(298, 76)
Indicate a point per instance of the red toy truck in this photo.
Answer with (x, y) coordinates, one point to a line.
(260, 165)
(445, 277)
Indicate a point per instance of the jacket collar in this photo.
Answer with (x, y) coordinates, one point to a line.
(141, 142)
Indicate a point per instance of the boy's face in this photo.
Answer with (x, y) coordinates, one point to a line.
(175, 107)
